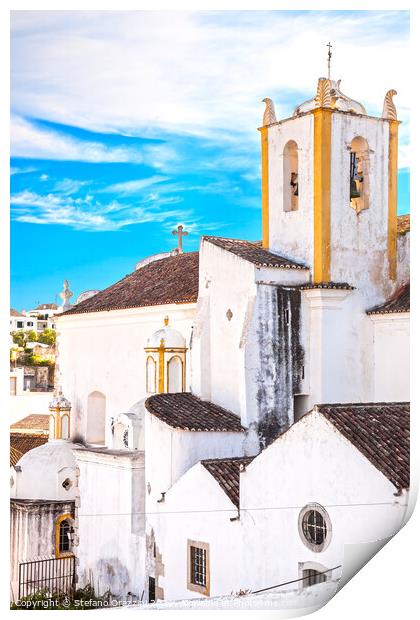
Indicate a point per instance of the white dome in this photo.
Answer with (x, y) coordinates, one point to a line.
(171, 339)
(86, 295)
(43, 470)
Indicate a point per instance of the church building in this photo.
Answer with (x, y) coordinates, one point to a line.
(228, 419)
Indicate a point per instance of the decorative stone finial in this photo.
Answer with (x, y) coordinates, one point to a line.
(180, 233)
(389, 110)
(65, 295)
(269, 113)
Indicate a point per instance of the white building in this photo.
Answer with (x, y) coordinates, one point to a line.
(199, 364)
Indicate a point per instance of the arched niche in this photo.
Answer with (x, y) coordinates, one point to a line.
(290, 176)
(175, 374)
(359, 174)
(151, 375)
(96, 412)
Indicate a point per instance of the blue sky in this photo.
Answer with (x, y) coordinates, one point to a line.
(126, 124)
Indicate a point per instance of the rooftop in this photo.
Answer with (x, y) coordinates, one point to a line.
(187, 412)
(380, 431)
(21, 443)
(226, 472)
(171, 280)
(399, 302)
(253, 252)
(403, 224)
(14, 312)
(33, 422)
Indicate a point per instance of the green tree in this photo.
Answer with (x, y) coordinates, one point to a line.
(19, 338)
(31, 335)
(48, 336)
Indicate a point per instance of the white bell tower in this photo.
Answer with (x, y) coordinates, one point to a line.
(329, 189)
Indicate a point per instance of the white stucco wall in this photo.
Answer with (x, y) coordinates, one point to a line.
(110, 522)
(291, 233)
(171, 452)
(359, 242)
(337, 337)
(403, 254)
(104, 352)
(196, 508)
(391, 356)
(42, 471)
(312, 462)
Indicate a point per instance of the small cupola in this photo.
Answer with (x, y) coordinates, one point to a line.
(59, 409)
(165, 360)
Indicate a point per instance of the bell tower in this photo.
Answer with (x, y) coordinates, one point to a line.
(329, 189)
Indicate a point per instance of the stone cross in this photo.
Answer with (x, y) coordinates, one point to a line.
(180, 233)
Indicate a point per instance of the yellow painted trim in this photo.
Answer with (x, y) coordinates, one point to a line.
(57, 423)
(264, 187)
(392, 198)
(161, 387)
(322, 194)
(58, 553)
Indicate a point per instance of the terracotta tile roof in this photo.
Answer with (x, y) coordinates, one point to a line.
(34, 422)
(226, 472)
(14, 312)
(403, 224)
(185, 411)
(380, 431)
(47, 307)
(399, 302)
(253, 252)
(328, 285)
(15, 455)
(170, 280)
(23, 442)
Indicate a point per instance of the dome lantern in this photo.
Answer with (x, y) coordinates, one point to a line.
(165, 360)
(59, 409)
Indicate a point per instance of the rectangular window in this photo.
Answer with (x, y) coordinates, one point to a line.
(312, 577)
(198, 567)
(19, 324)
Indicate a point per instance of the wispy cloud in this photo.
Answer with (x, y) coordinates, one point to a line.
(90, 214)
(133, 187)
(219, 67)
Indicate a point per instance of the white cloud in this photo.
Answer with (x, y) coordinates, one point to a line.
(196, 72)
(89, 214)
(133, 187)
(31, 141)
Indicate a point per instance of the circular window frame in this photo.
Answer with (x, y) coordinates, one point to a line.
(313, 546)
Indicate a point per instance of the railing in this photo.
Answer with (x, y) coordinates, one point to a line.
(53, 575)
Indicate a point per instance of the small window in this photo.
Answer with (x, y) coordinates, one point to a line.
(19, 324)
(290, 177)
(311, 577)
(64, 532)
(315, 527)
(198, 567)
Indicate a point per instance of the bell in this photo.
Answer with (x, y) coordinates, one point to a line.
(354, 192)
(296, 192)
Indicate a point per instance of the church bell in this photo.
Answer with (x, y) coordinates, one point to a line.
(354, 192)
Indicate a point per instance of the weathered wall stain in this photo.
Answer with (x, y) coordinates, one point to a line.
(280, 359)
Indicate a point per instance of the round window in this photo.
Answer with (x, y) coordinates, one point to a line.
(315, 527)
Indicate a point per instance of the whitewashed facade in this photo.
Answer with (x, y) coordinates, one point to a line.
(218, 355)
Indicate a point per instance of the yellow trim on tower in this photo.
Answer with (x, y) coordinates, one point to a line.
(392, 198)
(57, 423)
(161, 387)
(322, 194)
(264, 187)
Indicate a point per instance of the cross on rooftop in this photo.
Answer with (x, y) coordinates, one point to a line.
(180, 233)
(329, 57)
